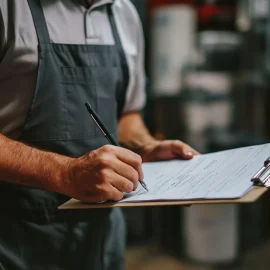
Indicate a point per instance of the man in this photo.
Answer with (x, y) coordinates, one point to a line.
(55, 56)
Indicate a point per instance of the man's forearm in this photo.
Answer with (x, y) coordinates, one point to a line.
(21, 164)
(133, 133)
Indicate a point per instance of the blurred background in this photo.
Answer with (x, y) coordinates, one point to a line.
(208, 69)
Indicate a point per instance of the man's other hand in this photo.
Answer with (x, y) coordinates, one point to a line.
(167, 150)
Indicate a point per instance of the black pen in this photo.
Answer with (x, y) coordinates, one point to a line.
(105, 132)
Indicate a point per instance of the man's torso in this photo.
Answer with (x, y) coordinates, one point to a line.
(69, 22)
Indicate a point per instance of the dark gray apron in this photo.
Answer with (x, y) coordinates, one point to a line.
(33, 234)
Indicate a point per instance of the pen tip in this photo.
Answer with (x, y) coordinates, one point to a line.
(144, 186)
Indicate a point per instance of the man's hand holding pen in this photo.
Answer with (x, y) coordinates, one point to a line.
(103, 174)
(114, 170)
(107, 134)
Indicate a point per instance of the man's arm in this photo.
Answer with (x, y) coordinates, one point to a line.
(21, 164)
(134, 135)
(102, 174)
(132, 132)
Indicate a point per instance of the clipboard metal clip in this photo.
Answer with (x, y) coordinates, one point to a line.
(262, 177)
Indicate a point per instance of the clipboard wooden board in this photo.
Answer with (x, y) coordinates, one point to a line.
(251, 196)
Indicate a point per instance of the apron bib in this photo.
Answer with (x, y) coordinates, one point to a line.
(68, 76)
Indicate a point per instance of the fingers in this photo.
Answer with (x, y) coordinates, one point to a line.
(180, 148)
(116, 195)
(121, 175)
(111, 186)
(128, 173)
(107, 193)
(128, 157)
(122, 184)
(131, 159)
(115, 186)
(105, 174)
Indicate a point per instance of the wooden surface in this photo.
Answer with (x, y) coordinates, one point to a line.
(253, 195)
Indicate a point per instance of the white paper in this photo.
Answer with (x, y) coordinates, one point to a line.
(222, 175)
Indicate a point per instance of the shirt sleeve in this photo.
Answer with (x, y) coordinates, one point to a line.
(135, 51)
(137, 98)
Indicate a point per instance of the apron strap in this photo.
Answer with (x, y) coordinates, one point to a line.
(121, 96)
(44, 38)
(39, 21)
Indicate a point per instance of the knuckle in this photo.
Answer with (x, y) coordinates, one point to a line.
(108, 148)
(134, 176)
(180, 145)
(104, 175)
(184, 145)
(93, 154)
(138, 160)
(105, 161)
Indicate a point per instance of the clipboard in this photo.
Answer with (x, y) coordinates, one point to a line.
(261, 182)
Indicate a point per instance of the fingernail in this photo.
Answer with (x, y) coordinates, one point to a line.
(189, 154)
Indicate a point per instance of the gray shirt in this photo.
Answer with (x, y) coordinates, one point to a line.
(70, 22)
